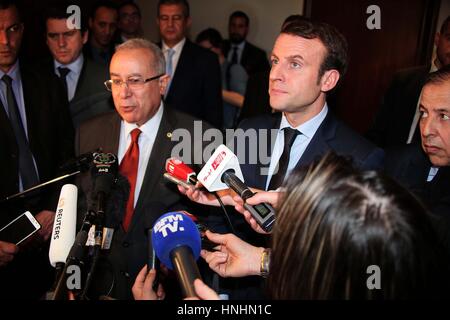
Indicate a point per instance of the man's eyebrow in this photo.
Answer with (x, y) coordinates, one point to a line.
(296, 56)
(129, 75)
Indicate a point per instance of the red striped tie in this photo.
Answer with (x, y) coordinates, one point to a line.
(129, 168)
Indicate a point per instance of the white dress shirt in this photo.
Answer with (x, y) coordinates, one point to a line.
(301, 142)
(176, 56)
(145, 141)
(73, 76)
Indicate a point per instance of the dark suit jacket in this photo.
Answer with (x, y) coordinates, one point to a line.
(50, 135)
(332, 135)
(129, 250)
(410, 166)
(196, 87)
(91, 97)
(395, 116)
(253, 59)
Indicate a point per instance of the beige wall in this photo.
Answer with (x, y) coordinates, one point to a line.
(266, 17)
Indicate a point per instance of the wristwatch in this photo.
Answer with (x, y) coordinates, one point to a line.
(265, 261)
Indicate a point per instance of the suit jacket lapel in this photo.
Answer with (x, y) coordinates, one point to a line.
(182, 68)
(318, 145)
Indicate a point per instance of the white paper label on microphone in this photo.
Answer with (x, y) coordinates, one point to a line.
(107, 238)
(91, 237)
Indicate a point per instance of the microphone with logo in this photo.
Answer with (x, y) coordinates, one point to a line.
(64, 228)
(222, 171)
(177, 244)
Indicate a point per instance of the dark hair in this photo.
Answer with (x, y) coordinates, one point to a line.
(335, 43)
(212, 35)
(183, 3)
(6, 4)
(102, 4)
(292, 18)
(335, 222)
(239, 14)
(130, 3)
(438, 77)
(58, 10)
(445, 25)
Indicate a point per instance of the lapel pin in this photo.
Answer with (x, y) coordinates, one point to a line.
(169, 135)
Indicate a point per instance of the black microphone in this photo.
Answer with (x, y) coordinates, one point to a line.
(115, 209)
(103, 174)
(152, 210)
(81, 163)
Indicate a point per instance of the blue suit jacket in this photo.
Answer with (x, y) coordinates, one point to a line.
(332, 135)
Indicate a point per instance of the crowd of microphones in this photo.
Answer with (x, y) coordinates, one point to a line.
(175, 239)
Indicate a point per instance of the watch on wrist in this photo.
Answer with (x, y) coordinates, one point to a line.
(265, 261)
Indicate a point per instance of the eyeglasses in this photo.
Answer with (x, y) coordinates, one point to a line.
(132, 83)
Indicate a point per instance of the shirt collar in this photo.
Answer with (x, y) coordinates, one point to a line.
(240, 46)
(310, 127)
(147, 128)
(74, 67)
(176, 48)
(13, 72)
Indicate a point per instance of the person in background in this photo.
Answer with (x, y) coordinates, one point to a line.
(129, 25)
(233, 90)
(396, 123)
(194, 85)
(36, 137)
(102, 26)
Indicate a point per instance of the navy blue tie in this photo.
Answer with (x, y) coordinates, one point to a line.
(26, 164)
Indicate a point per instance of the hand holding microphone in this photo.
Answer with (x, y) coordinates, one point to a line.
(177, 244)
(222, 171)
(236, 258)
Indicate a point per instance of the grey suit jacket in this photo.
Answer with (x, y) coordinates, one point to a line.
(128, 253)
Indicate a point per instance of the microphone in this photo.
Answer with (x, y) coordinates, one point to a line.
(178, 169)
(115, 209)
(177, 244)
(103, 174)
(64, 227)
(222, 171)
(81, 163)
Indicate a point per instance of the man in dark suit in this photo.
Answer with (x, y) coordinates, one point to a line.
(102, 26)
(304, 69)
(238, 50)
(397, 119)
(146, 124)
(81, 77)
(425, 170)
(36, 136)
(195, 84)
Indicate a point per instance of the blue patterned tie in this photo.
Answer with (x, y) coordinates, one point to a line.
(169, 67)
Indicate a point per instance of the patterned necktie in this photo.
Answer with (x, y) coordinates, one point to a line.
(27, 170)
(289, 138)
(169, 67)
(63, 72)
(129, 168)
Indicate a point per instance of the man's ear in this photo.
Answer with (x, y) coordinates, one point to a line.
(437, 36)
(329, 80)
(163, 82)
(85, 36)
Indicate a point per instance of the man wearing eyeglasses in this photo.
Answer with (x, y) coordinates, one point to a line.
(140, 134)
(81, 77)
(195, 84)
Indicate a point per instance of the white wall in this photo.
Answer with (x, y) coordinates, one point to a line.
(265, 16)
